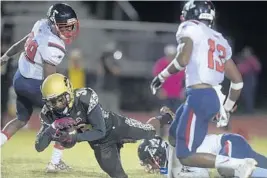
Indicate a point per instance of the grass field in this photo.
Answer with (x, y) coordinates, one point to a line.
(20, 160)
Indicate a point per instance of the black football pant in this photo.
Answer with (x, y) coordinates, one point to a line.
(124, 130)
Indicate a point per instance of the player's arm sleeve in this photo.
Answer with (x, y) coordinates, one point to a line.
(42, 139)
(95, 119)
(51, 56)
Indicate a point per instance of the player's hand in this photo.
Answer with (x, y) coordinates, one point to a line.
(68, 138)
(3, 59)
(223, 119)
(62, 136)
(3, 62)
(63, 123)
(51, 132)
(156, 83)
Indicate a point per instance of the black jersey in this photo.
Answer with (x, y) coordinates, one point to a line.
(94, 122)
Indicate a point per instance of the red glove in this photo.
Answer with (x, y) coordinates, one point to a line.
(63, 123)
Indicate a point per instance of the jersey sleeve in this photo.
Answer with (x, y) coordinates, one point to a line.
(88, 97)
(52, 53)
(95, 117)
(189, 29)
(43, 140)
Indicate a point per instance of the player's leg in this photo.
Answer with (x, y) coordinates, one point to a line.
(234, 145)
(201, 105)
(108, 159)
(23, 105)
(174, 125)
(24, 111)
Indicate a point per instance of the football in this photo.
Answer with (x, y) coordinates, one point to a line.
(71, 141)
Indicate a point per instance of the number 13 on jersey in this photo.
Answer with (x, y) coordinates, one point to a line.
(213, 49)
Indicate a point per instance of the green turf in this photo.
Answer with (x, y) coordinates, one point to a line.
(20, 160)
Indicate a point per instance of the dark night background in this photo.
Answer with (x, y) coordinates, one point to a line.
(244, 22)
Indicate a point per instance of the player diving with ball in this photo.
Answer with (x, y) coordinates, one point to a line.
(70, 116)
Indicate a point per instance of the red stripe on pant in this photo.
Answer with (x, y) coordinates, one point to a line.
(188, 128)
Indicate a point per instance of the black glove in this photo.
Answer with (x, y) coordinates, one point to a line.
(156, 83)
(51, 132)
(68, 139)
(56, 134)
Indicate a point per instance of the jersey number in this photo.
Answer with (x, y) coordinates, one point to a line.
(31, 48)
(218, 66)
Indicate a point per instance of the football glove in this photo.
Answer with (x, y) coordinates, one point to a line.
(156, 83)
(63, 123)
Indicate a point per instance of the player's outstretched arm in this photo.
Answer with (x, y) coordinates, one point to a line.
(184, 51)
(14, 49)
(43, 138)
(97, 121)
(236, 86)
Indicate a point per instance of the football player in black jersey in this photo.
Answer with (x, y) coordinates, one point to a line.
(74, 116)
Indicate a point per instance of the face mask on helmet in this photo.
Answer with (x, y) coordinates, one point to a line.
(68, 31)
(152, 155)
(59, 104)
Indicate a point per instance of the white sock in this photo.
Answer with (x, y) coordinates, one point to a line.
(227, 162)
(56, 155)
(259, 172)
(3, 139)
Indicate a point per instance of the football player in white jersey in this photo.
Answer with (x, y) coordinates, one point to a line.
(206, 56)
(157, 153)
(230, 145)
(41, 51)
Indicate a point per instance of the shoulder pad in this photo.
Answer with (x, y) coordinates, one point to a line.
(87, 96)
(188, 29)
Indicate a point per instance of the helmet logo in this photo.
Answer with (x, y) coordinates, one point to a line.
(191, 5)
(52, 17)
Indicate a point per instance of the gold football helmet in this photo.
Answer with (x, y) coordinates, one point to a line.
(58, 93)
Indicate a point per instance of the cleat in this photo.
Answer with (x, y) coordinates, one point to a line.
(60, 167)
(245, 170)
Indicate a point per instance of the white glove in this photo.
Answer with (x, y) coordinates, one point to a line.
(222, 119)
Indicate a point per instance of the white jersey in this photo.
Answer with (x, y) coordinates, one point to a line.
(42, 45)
(211, 144)
(210, 51)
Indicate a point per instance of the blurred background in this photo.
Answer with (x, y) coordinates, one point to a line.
(123, 44)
